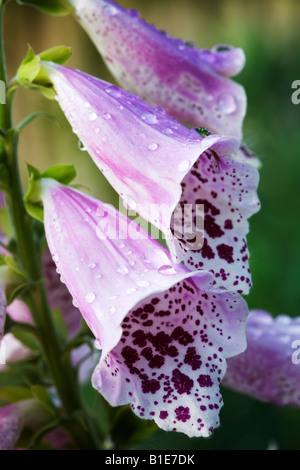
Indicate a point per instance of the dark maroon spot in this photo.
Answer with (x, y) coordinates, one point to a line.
(182, 336)
(206, 251)
(130, 355)
(192, 359)
(156, 362)
(149, 308)
(182, 414)
(212, 228)
(150, 386)
(155, 301)
(205, 381)
(228, 224)
(163, 414)
(225, 252)
(147, 353)
(140, 338)
(182, 383)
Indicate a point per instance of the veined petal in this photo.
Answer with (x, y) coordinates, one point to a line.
(149, 158)
(227, 191)
(13, 418)
(156, 327)
(190, 84)
(172, 357)
(59, 296)
(142, 152)
(269, 369)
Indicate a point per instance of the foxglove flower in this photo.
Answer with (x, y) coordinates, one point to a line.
(154, 162)
(14, 418)
(164, 331)
(269, 369)
(192, 85)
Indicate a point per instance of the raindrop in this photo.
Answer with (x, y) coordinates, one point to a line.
(99, 276)
(106, 116)
(110, 10)
(113, 91)
(152, 147)
(168, 131)
(75, 304)
(87, 105)
(167, 270)
(97, 130)
(143, 283)
(92, 117)
(131, 290)
(149, 118)
(77, 269)
(184, 166)
(92, 265)
(90, 297)
(55, 257)
(227, 103)
(123, 270)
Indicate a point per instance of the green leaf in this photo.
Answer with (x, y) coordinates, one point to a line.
(58, 54)
(64, 174)
(53, 7)
(42, 395)
(32, 73)
(14, 394)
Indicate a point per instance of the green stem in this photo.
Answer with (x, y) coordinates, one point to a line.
(59, 366)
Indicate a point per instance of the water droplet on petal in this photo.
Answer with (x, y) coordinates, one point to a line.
(168, 131)
(152, 147)
(92, 117)
(99, 276)
(55, 257)
(149, 118)
(227, 103)
(112, 310)
(131, 290)
(142, 283)
(184, 166)
(106, 116)
(167, 270)
(123, 270)
(113, 91)
(86, 105)
(75, 304)
(97, 130)
(110, 10)
(92, 265)
(90, 297)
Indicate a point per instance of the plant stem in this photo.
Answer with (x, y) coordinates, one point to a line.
(60, 369)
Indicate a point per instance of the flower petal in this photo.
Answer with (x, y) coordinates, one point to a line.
(10, 427)
(172, 357)
(97, 252)
(130, 292)
(190, 84)
(142, 152)
(227, 189)
(2, 311)
(59, 296)
(269, 369)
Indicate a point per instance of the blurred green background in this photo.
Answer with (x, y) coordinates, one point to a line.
(268, 31)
